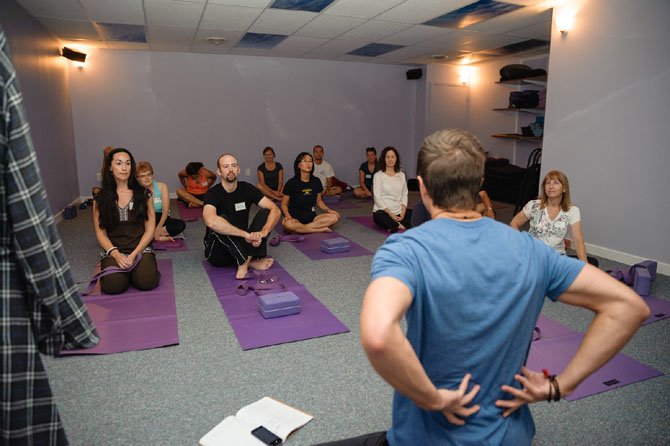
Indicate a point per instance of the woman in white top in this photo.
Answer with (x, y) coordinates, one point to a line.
(553, 215)
(389, 189)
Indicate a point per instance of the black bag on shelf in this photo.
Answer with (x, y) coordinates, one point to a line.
(518, 71)
(524, 99)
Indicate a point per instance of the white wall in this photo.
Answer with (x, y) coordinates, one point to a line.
(607, 124)
(171, 108)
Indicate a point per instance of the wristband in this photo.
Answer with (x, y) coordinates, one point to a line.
(111, 250)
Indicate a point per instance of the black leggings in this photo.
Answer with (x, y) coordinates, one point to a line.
(384, 220)
(228, 250)
(173, 226)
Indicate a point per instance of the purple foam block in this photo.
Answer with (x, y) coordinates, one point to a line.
(189, 214)
(311, 247)
(134, 320)
(641, 281)
(368, 222)
(278, 304)
(650, 266)
(554, 355)
(253, 331)
(335, 245)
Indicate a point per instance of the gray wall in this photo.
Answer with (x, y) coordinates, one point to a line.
(607, 123)
(45, 83)
(171, 108)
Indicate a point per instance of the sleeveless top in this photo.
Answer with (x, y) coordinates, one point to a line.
(158, 199)
(128, 233)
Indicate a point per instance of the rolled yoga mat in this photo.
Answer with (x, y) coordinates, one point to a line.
(252, 330)
(134, 320)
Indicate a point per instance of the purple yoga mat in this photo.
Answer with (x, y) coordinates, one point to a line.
(134, 320)
(368, 222)
(167, 246)
(339, 203)
(549, 328)
(660, 309)
(311, 247)
(252, 330)
(555, 353)
(189, 214)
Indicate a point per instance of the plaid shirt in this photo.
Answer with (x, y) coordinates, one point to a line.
(40, 306)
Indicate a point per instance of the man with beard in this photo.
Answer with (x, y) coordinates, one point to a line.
(230, 239)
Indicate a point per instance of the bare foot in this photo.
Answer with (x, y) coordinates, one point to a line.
(194, 205)
(242, 270)
(261, 264)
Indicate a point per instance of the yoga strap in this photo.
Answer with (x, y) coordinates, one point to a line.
(263, 285)
(276, 240)
(107, 271)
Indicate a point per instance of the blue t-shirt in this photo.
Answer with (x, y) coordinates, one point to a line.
(478, 288)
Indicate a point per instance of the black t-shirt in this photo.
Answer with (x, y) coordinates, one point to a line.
(367, 174)
(271, 177)
(234, 206)
(302, 198)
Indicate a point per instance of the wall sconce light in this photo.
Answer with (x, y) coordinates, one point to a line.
(465, 74)
(73, 55)
(564, 21)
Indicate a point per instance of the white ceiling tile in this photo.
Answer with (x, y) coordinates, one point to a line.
(71, 29)
(168, 38)
(489, 41)
(352, 58)
(374, 30)
(327, 27)
(513, 20)
(233, 18)
(406, 53)
(415, 34)
(537, 31)
(419, 11)
(60, 9)
(336, 47)
(247, 3)
(280, 21)
(129, 46)
(298, 43)
(201, 43)
(173, 13)
(451, 40)
(127, 12)
(363, 9)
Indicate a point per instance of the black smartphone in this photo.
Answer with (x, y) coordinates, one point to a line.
(266, 436)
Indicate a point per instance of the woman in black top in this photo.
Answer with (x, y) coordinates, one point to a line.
(124, 220)
(270, 176)
(302, 194)
(366, 173)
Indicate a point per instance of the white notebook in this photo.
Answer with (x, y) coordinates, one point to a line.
(277, 417)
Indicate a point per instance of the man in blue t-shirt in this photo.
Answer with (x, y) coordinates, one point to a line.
(471, 290)
(230, 239)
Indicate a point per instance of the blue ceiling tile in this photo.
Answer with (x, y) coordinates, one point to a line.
(302, 5)
(258, 40)
(123, 33)
(471, 14)
(374, 49)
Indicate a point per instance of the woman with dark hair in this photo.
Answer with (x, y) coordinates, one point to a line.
(197, 180)
(270, 176)
(301, 194)
(365, 174)
(166, 226)
(553, 215)
(123, 216)
(390, 194)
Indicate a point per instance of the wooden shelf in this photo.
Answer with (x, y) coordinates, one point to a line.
(535, 111)
(538, 80)
(518, 137)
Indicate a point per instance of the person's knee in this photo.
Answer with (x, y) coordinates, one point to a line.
(146, 275)
(178, 227)
(115, 283)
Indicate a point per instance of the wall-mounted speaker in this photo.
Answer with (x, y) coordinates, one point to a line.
(416, 73)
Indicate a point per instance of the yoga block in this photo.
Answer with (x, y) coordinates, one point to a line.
(278, 304)
(650, 265)
(335, 245)
(642, 281)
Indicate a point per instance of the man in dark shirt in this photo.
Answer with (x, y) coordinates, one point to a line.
(230, 239)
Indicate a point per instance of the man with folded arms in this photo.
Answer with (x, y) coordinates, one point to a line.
(230, 239)
(471, 290)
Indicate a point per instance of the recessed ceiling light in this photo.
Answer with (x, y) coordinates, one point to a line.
(215, 40)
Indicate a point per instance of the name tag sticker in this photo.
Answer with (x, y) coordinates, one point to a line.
(560, 225)
(367, 175)
(240, 206)
(313, 210)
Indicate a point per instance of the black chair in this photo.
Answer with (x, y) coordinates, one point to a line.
(530, 181)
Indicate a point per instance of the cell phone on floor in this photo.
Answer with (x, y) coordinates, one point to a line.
(266, 436)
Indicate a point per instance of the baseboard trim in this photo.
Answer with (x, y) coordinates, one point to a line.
(58, 216)
(623, 257)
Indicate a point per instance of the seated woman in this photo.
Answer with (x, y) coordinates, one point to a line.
(166, 227)
(197, 180)
(553, 215)
(390, 194)
(270, 176)
(123, 216)
(301, 194)
(366, 173)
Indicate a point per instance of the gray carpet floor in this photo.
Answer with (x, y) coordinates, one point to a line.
(174, 395)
